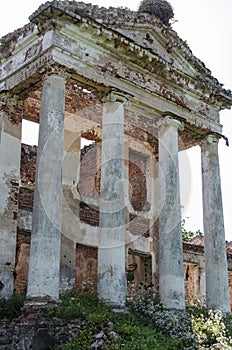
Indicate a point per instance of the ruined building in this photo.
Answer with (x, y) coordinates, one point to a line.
(128, 83)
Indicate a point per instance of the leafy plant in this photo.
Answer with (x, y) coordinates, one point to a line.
(10, 308)
(211, 332)
(174, 324)
(129, 331)
(75, 305)
(187, 235)
(145, 325)
(198, 328)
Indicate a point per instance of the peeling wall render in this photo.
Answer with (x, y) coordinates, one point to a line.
(95, 63)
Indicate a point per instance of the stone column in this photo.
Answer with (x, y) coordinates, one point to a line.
(171, 269)
(217, 288)
(44, 267)
(71, 160)
(155, 219)
(10, 153)
(71, 173)
(111, 250)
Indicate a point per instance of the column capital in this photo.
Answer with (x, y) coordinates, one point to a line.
(169, 121)
(56, 70)
(117, 96)
(11, 100)
(209, 139)
(13, 105)
(217, 290)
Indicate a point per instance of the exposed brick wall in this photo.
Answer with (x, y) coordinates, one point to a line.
(137, 180)
(139, 269)
(89, 215)
(89, 183)
(27, 174)
(230, 286)
(26, 197)
(22, 262)
(28, 164)
(139, 226)
(86, 267)
(14, 197)
(192, 283)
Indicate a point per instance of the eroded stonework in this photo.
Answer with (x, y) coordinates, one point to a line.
(126, 82)
(82, 273)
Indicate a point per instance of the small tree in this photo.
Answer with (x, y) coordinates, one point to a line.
(187, 236)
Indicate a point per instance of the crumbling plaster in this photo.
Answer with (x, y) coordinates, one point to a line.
(10, 144)
(114, 50)
(106, 57)
(86, 235)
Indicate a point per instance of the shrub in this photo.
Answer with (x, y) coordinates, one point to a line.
(188, 235)
(128, 332)
(228, 324)
(210, 330)
(171, 323)
(75, 305)
(10, 308)
(198, 328)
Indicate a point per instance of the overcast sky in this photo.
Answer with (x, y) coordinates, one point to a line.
(207, 27)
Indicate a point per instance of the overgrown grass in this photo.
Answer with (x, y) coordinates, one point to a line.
(11, 308)
(146, 325)
(132, 331)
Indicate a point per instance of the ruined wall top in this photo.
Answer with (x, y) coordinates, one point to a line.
(141, 29)
(116, 49)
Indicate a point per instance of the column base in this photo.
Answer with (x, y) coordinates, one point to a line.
(40, 302)
(120, 310)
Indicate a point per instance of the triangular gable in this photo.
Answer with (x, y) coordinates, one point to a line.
(155, 40)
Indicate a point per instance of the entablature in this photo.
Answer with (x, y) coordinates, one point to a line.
(104, 56)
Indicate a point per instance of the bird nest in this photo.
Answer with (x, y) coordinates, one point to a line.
(160, 8)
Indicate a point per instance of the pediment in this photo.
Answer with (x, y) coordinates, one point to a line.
(144, 30)
(166, 45)
(139, 45)
(182, 68)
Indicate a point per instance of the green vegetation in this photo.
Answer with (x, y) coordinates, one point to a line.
(11, 308)
(145, 325)
(130, 331)
(198, 328)
(187, 235)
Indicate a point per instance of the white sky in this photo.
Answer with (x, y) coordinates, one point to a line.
(207, 27)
